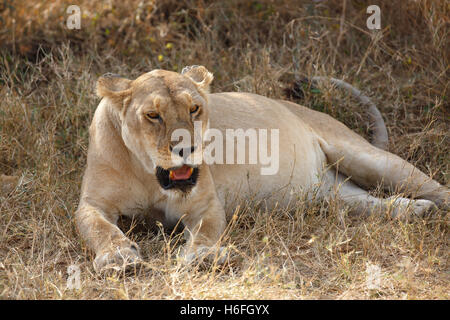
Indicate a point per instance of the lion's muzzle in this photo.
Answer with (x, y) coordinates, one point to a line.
(182, 178)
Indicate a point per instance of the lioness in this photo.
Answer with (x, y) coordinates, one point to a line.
(134, 167)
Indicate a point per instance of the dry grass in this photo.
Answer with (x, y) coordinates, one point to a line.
(310, 250)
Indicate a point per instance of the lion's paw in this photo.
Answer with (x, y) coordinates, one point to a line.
(405, 209)
(423, 207)
(119, 258)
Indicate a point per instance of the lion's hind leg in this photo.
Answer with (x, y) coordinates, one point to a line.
(370, 167)
(360, 202)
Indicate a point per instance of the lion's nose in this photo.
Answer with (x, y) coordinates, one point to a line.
(182, 152)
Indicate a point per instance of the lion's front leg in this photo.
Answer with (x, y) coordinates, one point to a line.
(112, 247)
(204, 225)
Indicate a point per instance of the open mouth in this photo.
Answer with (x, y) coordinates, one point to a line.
(183, 178)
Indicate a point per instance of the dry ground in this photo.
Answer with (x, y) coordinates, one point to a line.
(307, 251)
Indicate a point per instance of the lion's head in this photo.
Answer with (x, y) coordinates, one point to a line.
(150, 109)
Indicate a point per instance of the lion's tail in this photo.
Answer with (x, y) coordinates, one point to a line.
(379, 135)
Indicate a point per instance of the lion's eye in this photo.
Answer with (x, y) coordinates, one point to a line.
(194, 109)
(152, 115)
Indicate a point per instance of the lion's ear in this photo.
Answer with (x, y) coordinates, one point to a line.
(200, 75)
(113, 86)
